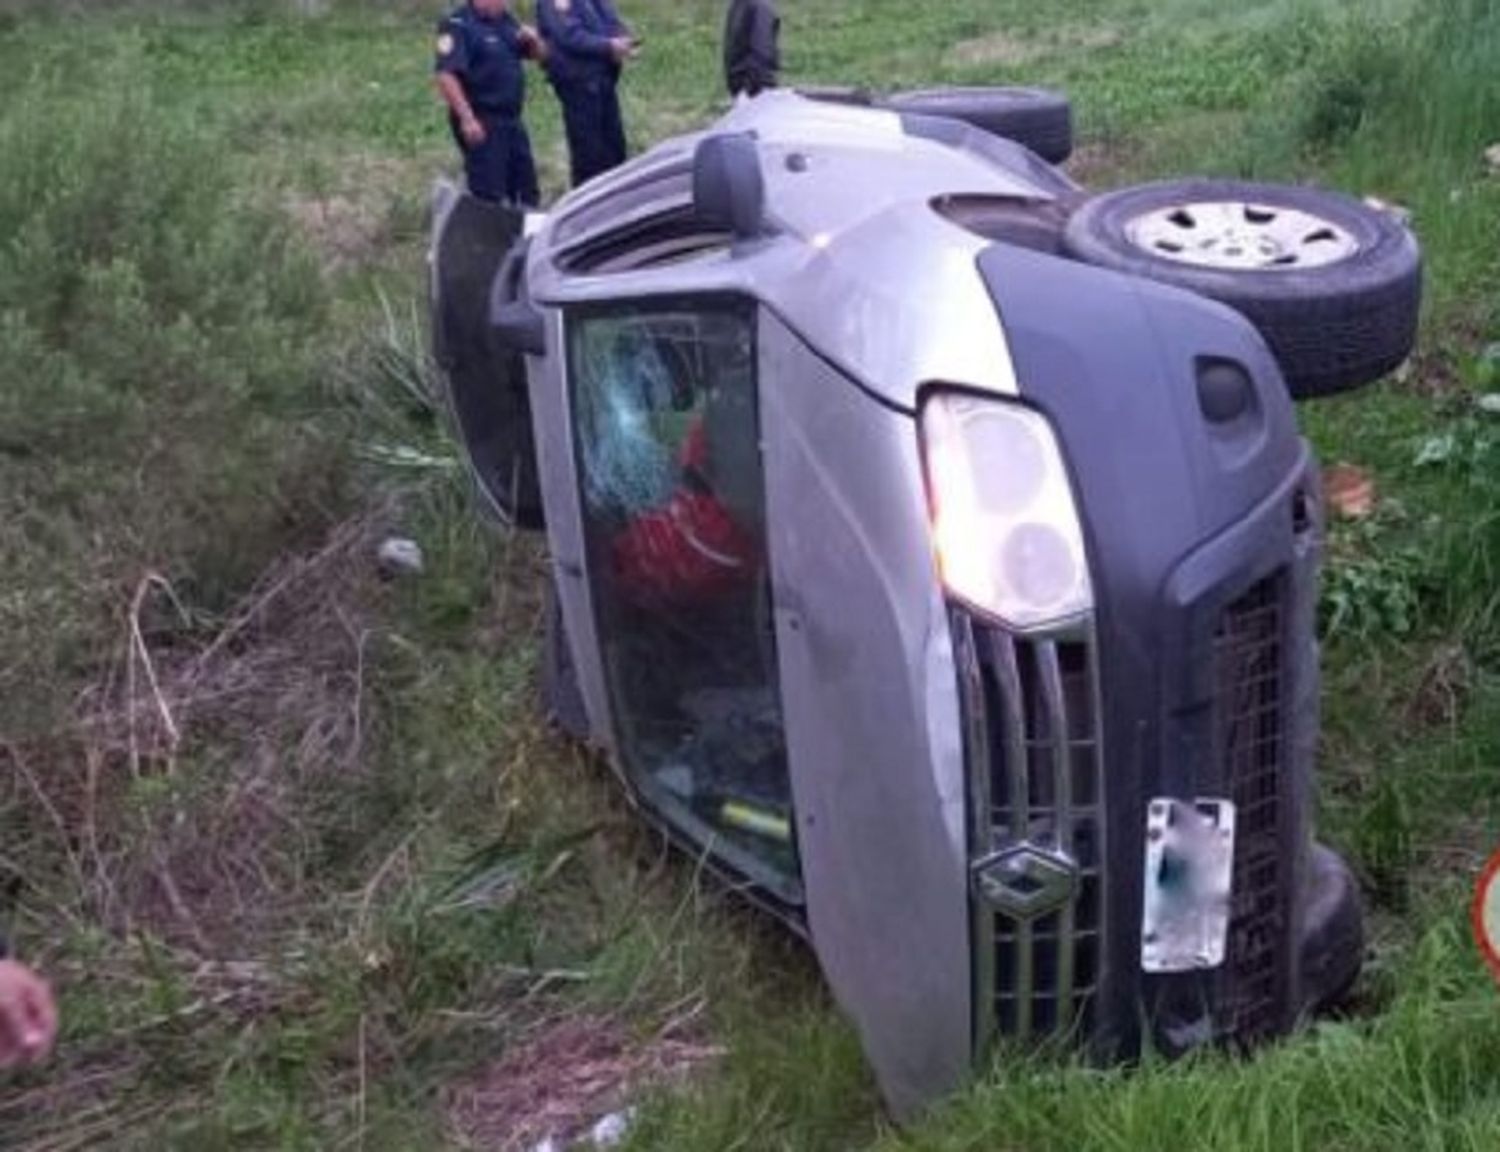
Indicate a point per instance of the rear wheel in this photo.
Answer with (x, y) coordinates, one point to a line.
(1333, 286)
(1037, 118)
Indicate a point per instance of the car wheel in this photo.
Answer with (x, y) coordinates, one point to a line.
(1333, 940)
(1035, 117)
(1333, 286)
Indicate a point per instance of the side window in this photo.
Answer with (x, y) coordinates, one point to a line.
(668, 453)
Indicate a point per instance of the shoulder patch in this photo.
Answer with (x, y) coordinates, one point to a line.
(445, 44)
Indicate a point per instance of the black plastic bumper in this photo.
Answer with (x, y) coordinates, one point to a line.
(1204, 532)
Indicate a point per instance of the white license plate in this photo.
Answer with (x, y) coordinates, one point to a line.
(1189, 880)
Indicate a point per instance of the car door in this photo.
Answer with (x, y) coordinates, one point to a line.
(483, 370)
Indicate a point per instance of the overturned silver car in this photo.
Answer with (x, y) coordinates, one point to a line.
(935, 554)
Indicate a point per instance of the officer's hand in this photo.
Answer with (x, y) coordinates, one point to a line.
(28, 1017)
(472, 130)
(532, 42)
(622, 48)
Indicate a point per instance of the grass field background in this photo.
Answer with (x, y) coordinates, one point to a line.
(308, 871)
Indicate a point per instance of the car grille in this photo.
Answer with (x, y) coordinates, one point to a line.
(1249, 743)
(1036, 804)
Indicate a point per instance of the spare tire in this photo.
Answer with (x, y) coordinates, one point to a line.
(1333, 286)
(1035, 117)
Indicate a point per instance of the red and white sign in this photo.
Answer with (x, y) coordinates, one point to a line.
(1484, 913)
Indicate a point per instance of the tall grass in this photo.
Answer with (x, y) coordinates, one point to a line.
(161, 446)
(1418, 1077)
(1411, 109)
(159, 359)
(1445, 103)
(1406, 112)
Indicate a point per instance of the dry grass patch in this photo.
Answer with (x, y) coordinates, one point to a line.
(174, 797)
(563, 1077)
(182, 806)
(348, 222)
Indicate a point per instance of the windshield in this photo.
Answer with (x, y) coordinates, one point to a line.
(668, 451)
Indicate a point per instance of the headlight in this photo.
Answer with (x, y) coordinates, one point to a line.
(1005, 528)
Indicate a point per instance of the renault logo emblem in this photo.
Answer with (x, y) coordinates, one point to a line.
(1024, 881)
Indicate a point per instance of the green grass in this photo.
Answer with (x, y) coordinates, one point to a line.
(355, 867)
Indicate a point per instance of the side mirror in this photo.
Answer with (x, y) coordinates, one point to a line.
(729, 190)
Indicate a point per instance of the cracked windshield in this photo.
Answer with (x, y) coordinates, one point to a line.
(673, 501)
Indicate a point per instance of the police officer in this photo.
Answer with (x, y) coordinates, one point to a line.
(480, 52)
(752, 55)
(587, 44)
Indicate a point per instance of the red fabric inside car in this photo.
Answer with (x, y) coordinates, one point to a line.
(689, 549)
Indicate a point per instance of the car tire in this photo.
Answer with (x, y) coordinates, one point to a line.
(1333, 286)
(1333, 933)
(1039, 119)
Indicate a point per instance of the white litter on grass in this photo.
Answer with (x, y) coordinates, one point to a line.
(1490, 403)
(609, 1132)
(1436, 450)
(399, 556)
(1492, 158)
(403, 456)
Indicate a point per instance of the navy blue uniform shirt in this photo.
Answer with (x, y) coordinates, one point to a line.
(486, 54)
(578, 32)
